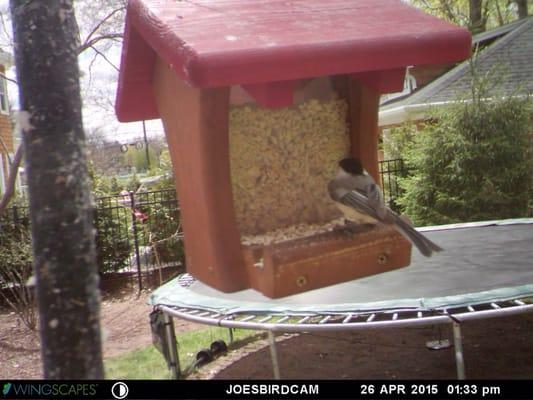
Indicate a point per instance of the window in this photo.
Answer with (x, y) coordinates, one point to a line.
(4, 101)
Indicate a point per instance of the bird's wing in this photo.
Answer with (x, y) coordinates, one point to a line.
(360, 202)
(375, 199)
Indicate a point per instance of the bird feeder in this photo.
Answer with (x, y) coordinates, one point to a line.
(259, 101)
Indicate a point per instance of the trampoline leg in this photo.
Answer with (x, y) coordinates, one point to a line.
(458, 345)
(230, 335)
(274, 354)
(170, 338)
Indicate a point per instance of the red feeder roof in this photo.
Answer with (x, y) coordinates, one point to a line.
(212, 43)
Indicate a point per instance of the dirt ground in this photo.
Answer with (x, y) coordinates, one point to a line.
(499, 348)
(125, 325)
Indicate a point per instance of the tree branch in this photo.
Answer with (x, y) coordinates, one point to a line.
(93, 41)
(6, 151)
(98, 26)
(9, 79)
(90, 41)
(10, 189)
(105, 58)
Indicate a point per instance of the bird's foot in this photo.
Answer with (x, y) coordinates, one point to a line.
(351, 228)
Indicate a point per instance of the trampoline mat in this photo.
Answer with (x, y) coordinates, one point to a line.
(482, 262)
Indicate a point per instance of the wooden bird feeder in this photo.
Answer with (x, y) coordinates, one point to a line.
(260, 100)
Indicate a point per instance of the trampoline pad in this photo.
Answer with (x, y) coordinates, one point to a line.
(482, 262)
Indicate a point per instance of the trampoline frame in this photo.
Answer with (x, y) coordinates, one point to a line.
(316, 322)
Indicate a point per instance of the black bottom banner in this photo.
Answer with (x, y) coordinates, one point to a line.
(241, 389)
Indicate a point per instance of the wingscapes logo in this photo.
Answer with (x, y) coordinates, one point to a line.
(6, 389)
(46, 390)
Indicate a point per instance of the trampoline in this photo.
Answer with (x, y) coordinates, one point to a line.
(486, 271)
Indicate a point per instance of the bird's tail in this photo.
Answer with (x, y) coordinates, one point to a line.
(422, 243)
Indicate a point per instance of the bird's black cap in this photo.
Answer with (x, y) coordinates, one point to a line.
(351, 165)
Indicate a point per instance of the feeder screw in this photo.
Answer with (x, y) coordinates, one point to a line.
(383, 259)
(301, 281)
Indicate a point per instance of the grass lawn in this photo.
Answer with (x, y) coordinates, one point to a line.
(148, 362)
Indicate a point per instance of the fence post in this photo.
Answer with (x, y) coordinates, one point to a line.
(136, 240)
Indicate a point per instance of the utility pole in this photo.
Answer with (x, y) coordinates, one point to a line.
(46, 53)
(146, 146)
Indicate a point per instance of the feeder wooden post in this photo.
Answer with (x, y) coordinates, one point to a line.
(364, 110)
(196, 127)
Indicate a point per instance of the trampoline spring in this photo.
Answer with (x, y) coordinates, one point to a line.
(347, 319)
(395, 316)
(267, 318)
(282, 320)
(325, 319)
(371, 318)
(519, 302)
(193, 312)
(419, 314)
(304, 320)
(495, 306)
(248, 318)
(204, 314)
(471, 309)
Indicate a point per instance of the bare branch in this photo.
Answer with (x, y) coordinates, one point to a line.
(447, 10)
(9, 79)
(98, 26)
(10, 189)
(4, 29)
(90, 42)
(499, 14)
(105, 58)
(97, 39)
(6, 151)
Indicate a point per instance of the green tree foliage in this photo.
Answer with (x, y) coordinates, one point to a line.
(137, 158)
(397, 141)
(477, 15)
(133, 183)
(474, 163)
(164, 170)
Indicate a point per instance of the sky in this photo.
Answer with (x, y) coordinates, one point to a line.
(98, 81)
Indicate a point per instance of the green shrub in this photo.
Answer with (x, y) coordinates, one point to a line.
(15, 270)
(473, 163)
(161, 228)
(112, 238)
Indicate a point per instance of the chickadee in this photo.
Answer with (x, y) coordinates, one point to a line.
(359, 198)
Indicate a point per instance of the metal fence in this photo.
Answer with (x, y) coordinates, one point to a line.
(140, 232)
(136, 233)
(390, 171)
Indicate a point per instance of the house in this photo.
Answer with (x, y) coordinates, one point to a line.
(7, 146)
(507, 50)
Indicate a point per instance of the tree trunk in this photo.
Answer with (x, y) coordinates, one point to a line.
(46, 37)
(522, 8)
(477, 22)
